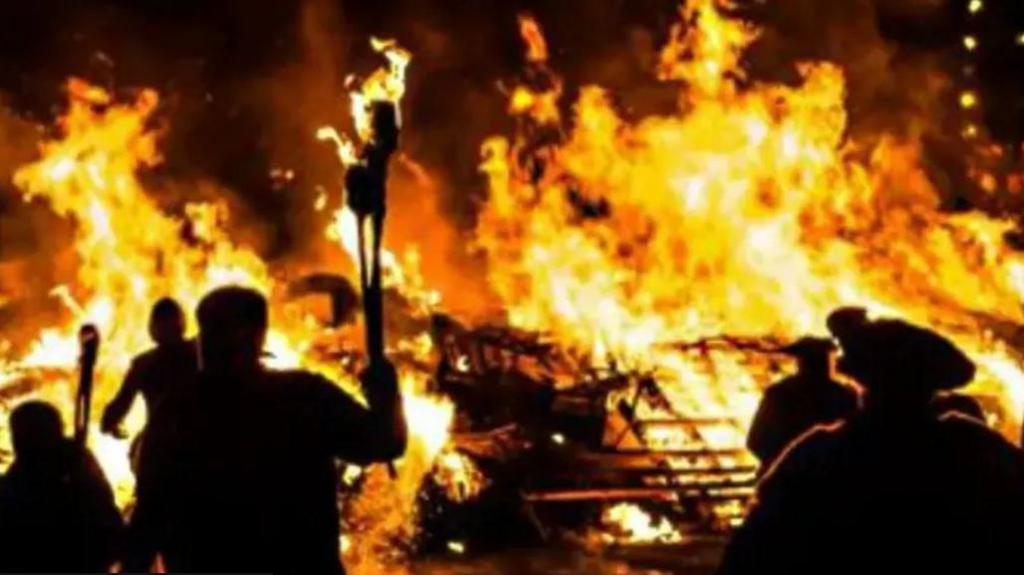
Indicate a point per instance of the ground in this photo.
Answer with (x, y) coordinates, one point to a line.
(695, 558)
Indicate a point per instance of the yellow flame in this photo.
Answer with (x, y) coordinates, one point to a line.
(460, 477)
(539, 103)
(385, 84)
(129, 251)
(630, 524)
(749, 211)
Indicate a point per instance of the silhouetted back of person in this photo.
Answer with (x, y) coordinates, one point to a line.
(796, 404)
(896, 488)
(57, 510)
(238, 473)
(155, 373)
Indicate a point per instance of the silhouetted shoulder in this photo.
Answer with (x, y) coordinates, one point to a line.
(145, 360)
(779, 395)
(312, 390)
(782, 388)
(298, 379)
(811, 453)
(968, 428)
(302, 385)
(970, 436)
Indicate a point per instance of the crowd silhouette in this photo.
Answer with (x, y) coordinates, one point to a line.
(236, 468)
(911, 482)
(888, 470)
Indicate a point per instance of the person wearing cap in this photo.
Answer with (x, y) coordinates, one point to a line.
(238, 472)
(897, 487)
(793, 406)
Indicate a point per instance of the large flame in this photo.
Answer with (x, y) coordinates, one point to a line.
(748, 212)
(130, 252)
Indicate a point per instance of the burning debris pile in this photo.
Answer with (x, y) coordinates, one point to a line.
(630, 256)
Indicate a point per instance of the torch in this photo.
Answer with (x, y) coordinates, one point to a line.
(366, 195)
(89, 345)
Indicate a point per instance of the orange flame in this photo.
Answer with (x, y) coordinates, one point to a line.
(747, 212)
(536, 45)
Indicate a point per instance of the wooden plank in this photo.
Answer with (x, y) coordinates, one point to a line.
(649, 453)
(660, 471)
(630, 494)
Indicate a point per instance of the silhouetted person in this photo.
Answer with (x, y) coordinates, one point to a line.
(238, 473)
(57, 510)
(154, 373)
(896, 488)
(794, 405)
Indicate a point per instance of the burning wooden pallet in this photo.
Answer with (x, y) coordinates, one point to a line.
(587, 443)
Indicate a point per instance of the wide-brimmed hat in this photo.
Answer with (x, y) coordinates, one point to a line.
(892, 351)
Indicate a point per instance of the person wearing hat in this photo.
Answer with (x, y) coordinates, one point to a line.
(808, 398)
(897, 487)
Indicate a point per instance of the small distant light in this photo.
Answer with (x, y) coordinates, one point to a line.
(968, 100)
(457, 547)
(975, 6)
(558, 438)
(1020, 39)
(971, 43)
(970, 131)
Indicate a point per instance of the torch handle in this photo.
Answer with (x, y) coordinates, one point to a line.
(89, 342)
(366, 185)
(372, 288)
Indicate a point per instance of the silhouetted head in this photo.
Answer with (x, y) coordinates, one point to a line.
(897, 363)
(813, 355)
(232, 329)
(166, 322)
(37, 431)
